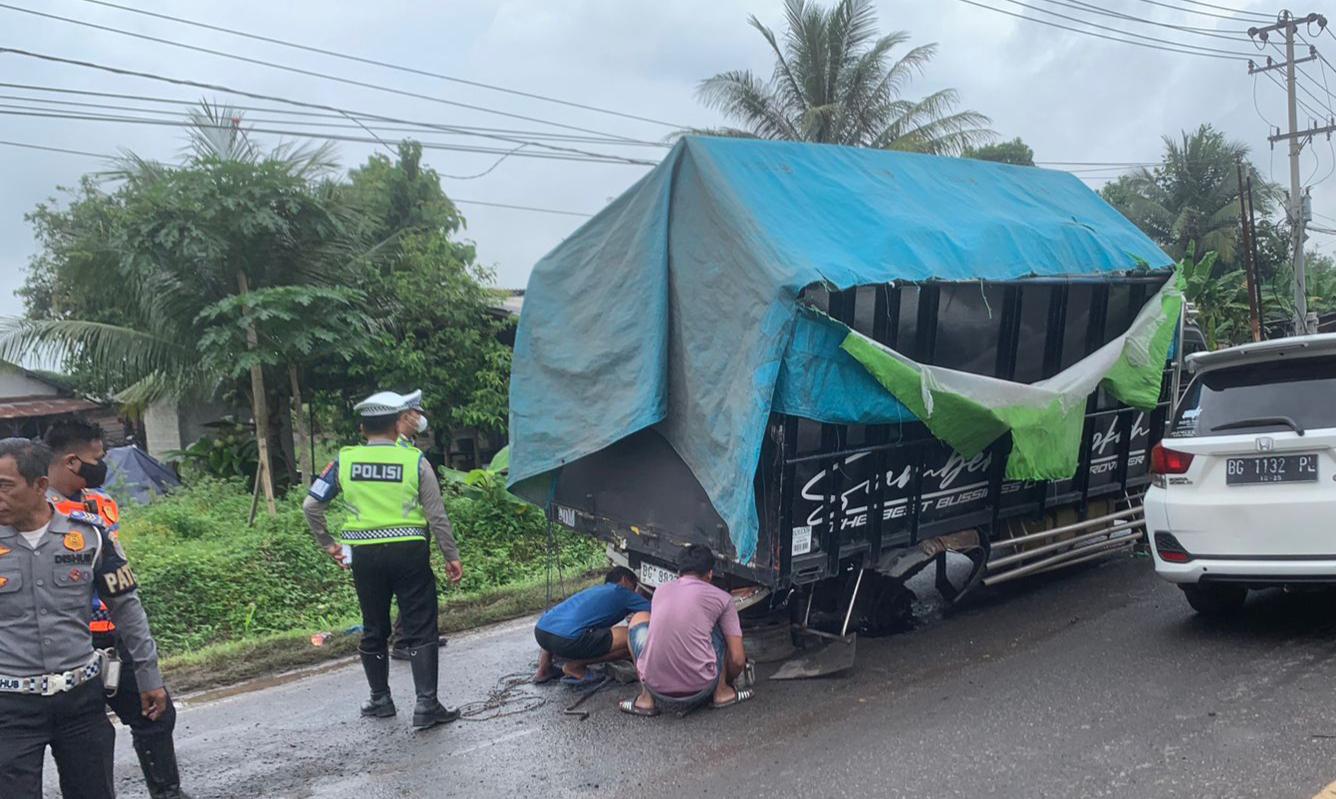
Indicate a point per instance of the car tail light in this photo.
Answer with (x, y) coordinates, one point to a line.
(1169, 461)
(1170, 550)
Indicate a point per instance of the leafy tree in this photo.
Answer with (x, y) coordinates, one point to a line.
(440, 323)
(1008, 152)
(835, 82)
(1192, 198)
(286, 326)
(171, 243)
(1220, 301)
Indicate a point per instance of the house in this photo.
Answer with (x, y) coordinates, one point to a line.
(31, 401)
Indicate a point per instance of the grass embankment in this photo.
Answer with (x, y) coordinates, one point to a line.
(233, 662)
(227, 601)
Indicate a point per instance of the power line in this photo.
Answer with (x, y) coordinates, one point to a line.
(387, 65)
(1239, 35)
(176, 113)
(1234, 15)
(301, 71)
(1084, 21)
(521, 207)
(1230, 10)
(1331, 148)
(567, 137)
(299, 103)
(105, 157)
(1302, 103)
(1101, 35)
(1301, 72)
(27, 146)
(1257, 107)
(426, 145)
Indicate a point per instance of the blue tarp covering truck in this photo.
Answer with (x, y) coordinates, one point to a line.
(678, 376)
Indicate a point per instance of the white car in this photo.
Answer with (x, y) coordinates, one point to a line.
(1243, 491)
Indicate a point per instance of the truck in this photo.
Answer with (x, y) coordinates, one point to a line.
(839, 368)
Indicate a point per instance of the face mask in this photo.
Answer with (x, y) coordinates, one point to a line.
(422, 423)
(93, 474)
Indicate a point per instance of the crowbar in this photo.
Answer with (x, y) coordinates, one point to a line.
(584, 714)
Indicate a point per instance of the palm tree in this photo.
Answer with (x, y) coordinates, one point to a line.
(834, 82)
(1190, 202)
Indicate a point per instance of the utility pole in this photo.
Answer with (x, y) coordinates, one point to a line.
(1288, 25)
(1250, 268)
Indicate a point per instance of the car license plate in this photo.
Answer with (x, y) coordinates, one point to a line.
(655, 576)
(1271, 469)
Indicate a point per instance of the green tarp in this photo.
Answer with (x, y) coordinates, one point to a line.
(970, 411)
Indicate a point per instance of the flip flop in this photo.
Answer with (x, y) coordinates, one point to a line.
(591, 677)
(629, 706)
(740, 696)
(547, 677)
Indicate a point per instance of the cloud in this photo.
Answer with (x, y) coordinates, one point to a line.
(1071, 97)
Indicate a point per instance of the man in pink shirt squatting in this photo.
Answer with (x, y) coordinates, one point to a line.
(688, 647)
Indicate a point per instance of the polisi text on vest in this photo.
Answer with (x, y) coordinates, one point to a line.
(378, 472)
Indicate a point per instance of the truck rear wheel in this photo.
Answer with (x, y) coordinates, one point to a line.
(1215, 600)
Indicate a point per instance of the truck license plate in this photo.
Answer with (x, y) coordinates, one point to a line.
(655, 576)
(1271, 469)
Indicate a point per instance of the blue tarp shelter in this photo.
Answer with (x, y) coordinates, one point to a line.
(133, 474)
(677, 306)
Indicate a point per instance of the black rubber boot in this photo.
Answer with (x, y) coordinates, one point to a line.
(428, 712)
(377, 668)
(157, 757)
(400, 650)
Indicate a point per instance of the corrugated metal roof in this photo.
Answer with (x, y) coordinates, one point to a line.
(25, 407)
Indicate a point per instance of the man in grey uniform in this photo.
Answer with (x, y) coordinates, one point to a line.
(51, 682)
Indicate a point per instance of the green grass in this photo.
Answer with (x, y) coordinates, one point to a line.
(208, 580)
(235, 661)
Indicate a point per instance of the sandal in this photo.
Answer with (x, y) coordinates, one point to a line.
(739, 696)
(548, 676)
(590, 677)
(630, 706)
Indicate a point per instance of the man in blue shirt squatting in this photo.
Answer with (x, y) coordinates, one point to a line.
(580, 629)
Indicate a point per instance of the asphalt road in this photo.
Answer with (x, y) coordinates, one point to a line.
(1098, 682)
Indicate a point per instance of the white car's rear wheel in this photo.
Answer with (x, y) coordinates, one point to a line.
(1215, 600)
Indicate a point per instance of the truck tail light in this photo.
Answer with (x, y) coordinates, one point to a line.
(1169, 461)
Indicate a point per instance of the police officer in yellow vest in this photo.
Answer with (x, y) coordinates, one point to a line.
(394, 500)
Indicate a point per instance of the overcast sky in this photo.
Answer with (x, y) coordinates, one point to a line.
(1071, 97)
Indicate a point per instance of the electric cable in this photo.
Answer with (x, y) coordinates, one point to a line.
(1204, 50)
(1235, 15)
(1257, 107)
(458, 200)
(426, 145)
(1331, 148)
(461, 130)
(386, 64)
(1147, 45)
(1237, 35)
(353, 122)
(49, 148)
(506, 699)
(299, 70)
(288, 101)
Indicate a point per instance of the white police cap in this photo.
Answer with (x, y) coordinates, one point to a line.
(385, 403)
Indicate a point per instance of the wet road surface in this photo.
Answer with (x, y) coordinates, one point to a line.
(1098, 682)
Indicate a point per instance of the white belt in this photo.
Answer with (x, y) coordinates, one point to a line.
(51, 684)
